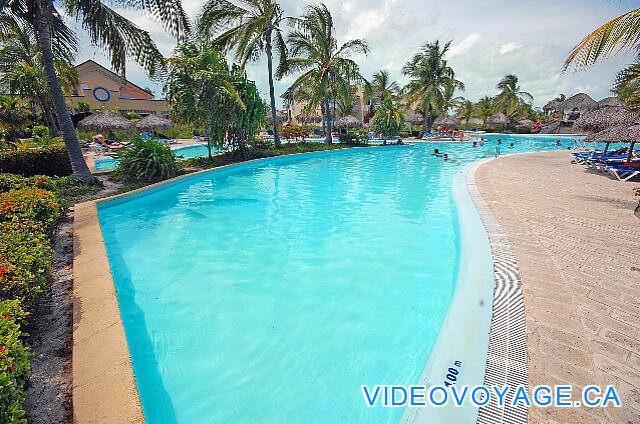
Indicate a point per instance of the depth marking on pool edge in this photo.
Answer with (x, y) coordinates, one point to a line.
(507, 354)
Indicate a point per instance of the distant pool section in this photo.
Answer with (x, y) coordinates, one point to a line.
(187, 152)
(268, 292)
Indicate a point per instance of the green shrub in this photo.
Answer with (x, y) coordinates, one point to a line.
(353, 139)
(31, 203)
(41, 136)
(148, 161)
(14, 362)
(51, 160)
(25, 260)
(15, 182)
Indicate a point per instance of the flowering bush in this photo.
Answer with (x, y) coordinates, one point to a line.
(25, 260)
(14, 362)
(293, 132)
(15, 182)
(31, 203)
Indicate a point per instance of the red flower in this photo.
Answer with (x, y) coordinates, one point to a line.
(7, 316)
(3, 271)
(12, 367)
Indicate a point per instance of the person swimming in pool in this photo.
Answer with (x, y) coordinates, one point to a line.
(437, 153)
(497, 154)
(481, 141)
(558, 143)
(475, 144)
(511, 146)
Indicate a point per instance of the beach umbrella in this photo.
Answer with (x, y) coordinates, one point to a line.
(347, 122)
(611, 101)
(580, 102)
(104, 121)
(447, 121)
(153, 122)
(552, 106)
(626, 133)
(498, 119)
(605, 117)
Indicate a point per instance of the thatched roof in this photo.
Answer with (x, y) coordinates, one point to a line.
(605, 117)
(611, 101)
(153, 122)
(347, 122)
(498, 119)
(628, 133)
(103, 121)
(448, 121)
(474, 121)
(525, 123)
(580, 101)
(304, 118)
(550, 128)
(552, 106)
(413, 117)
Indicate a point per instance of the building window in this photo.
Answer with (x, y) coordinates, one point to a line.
(101, 94)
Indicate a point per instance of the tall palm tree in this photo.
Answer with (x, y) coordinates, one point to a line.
(326, 66)
(465, 111)
(382, 86)
(250, 29)
(429, 75)
(510, 95)
(388, 119)
(107, 29)
(618, 34)
(449, 99)
(485, 108)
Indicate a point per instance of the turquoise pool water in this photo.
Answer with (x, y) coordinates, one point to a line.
(269, 292)
(186, 152)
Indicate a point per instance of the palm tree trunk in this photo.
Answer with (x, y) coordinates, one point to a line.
(48, 117)
(276, 135)
(327, 112)
(78, 164)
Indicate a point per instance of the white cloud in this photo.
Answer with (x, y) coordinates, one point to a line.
(465, 45)
(509, 47)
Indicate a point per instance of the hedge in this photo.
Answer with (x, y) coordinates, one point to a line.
(16, 182)
(51, 160)
(25, 260)
(14, 362)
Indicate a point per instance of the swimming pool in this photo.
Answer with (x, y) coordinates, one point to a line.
(194, 151)
(269, 292)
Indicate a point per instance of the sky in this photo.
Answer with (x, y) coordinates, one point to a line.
(491, 38)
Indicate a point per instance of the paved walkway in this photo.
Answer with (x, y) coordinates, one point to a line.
(577, 243)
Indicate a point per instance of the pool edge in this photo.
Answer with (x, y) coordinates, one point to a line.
(103, 386)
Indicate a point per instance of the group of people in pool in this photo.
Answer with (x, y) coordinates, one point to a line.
(481, 143)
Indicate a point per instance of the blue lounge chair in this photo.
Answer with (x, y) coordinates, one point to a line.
(623, 173)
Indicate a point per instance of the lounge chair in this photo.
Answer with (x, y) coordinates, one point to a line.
(624, 173)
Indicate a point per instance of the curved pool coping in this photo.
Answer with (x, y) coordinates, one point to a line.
(104, 387)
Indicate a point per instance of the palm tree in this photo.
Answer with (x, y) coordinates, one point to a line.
(107, 29)
(449, 100)
(429, 74)
(326, 67)
(560, 98)
(465, 111)
(382, 86)
(388, 119)
(627, 86)
(510, 95)
(619, 33)
(485, 108)
(250, 29)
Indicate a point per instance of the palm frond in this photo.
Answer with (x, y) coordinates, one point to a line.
(618, 34)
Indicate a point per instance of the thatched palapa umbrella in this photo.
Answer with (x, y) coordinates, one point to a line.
(611, 101)
(305, 118)
(153, 122)
(104, 121)
(605, 117)
(552, 106)
(447, 121)
(347, 122)
(580, 103)
(626, 133)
